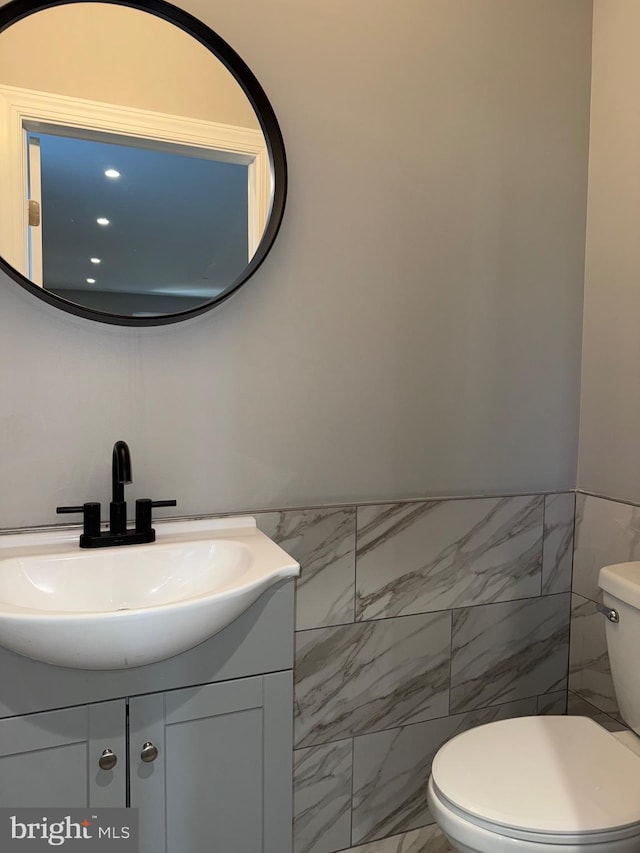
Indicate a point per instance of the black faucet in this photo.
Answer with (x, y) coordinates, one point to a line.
(120, 475)
(118, 533)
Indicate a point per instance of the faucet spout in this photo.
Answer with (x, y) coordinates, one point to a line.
(120, 470)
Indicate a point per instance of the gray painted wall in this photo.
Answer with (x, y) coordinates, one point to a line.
(416, 328)
(610, 421)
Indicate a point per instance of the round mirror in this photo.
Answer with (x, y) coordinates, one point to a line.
(142, 169)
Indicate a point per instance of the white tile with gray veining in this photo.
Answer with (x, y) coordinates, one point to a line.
(553, 703)
(579, 707)
(435, 555)
(323, 542)
(607, 532)
(391, 770)
(589, 669)
(557, 549)
(322, 797)
(506, 651)
(356, 678)
(428, 839)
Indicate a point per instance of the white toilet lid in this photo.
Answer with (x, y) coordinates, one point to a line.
(542, 774)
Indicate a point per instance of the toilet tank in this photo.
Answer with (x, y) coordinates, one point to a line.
(620, 585)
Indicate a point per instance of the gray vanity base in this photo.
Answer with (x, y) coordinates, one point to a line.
(219, 715)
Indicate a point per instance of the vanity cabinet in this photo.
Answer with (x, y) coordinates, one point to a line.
(222, 776)
(210, 766)
(51, 759)
(215, 725)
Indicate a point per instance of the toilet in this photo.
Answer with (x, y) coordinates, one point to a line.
(552, 784)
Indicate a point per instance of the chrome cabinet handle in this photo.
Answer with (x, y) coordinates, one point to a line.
(107, 760)
(149, 752)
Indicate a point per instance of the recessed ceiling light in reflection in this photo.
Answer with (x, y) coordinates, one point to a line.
(95, 260)
(91, 281)
(112, 173)
(102, 220)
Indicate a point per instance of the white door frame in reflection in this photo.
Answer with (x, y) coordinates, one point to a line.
(23, 110)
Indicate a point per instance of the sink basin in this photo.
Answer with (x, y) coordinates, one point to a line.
(126, 606)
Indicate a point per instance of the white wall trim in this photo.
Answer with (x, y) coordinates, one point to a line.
(26, 109)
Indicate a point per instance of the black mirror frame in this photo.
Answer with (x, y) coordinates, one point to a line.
(18, 9)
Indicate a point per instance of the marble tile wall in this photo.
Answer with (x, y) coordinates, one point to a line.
(416, 620)
(606, 532)
(426, 840)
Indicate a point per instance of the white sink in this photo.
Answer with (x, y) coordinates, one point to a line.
(125, 606)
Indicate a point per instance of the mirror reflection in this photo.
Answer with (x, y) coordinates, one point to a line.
(135, 176)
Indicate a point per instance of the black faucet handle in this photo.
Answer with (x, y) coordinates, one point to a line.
(91, 516)
(143, 513)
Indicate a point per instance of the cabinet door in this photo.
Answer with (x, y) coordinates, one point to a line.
(221, 781)
(51, 759)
